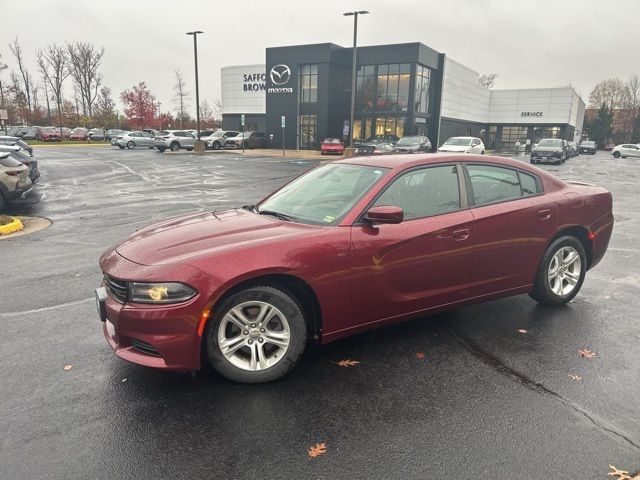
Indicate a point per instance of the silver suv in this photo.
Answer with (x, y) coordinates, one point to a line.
(216, 139)
(174, 140)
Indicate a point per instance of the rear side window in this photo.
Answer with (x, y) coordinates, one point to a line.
(425, 192)
(493, 184)
(529, 184)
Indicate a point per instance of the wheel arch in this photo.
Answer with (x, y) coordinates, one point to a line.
(293, 285)
(579, 232)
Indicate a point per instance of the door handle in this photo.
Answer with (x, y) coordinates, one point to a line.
(544, 214)
(461, 234)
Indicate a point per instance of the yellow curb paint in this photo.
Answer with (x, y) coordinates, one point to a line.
(14, 226)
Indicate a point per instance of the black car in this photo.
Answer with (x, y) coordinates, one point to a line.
(366, 149)
(22, 156)
(7, 140)
(413, 144)
(588, 146)
(248, 139)
(390, 139)
(550, 150)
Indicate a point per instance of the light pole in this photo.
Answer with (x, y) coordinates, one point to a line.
(3, 66)
(195, 54)
(353, 70)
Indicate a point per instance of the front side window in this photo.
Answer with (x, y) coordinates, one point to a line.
(324, 195)
(424, 193)
(493, 184)
(309, 83)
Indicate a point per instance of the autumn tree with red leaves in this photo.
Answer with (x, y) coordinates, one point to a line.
(139, 106)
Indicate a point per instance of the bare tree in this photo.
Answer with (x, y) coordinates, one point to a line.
(217, 110)
(609, 92)
(488, 80)
(53, 64)
(181, 95)
(16, 49)
(632, 94)
(46, 97)
(84, 61)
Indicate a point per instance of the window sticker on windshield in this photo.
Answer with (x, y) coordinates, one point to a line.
(377, 172)
(328, 219)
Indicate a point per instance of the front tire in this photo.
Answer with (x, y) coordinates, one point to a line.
(216, 145)
(256, 335)
(175, 147)
(561, 272)
(616, 154)
(131, 145)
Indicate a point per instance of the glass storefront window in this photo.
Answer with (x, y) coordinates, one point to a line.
(511, 135)
(422, 99)
(362, 128)
(392, 89)
(390, 126)
(308, 83)
(365, 88)
(308, 126)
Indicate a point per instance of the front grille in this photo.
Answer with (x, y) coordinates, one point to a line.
(116, 288)
(144, 347)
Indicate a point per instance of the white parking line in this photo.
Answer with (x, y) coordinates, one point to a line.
(44, 309)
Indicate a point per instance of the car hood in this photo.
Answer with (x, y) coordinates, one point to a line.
(407, 148)
(185, 239)
(546, 149)
(453, 148)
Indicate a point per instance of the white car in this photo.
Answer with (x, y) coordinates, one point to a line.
(134, 139)
(626, 150)
(216, 140)
(463, 145)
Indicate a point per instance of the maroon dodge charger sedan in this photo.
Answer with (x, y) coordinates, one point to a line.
(346, 247)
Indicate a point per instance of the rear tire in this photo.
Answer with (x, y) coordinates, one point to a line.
(216, 145)
(561, 272)
(257, 360)
(121, 147)
(175, 147)
(616, 154)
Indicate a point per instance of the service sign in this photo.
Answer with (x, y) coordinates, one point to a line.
(530, 114)
(4, 115)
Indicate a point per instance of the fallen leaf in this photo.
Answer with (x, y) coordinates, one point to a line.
(348, 363)
(521, 330)
(68, 367)
(621, 474)
(420, 355)
(587, 353)
(577, 378)
(317, 450)
(124, 380)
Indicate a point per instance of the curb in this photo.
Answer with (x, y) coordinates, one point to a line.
(14, 226)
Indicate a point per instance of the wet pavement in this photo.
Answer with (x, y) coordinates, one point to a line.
(485, 401)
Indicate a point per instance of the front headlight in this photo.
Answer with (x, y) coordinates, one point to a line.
(170, 292)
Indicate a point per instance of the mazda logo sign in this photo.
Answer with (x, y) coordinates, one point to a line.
(280, 74)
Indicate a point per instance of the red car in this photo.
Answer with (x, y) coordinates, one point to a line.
(332, 145)
(50, 134)
(79, 134)
(347, 247)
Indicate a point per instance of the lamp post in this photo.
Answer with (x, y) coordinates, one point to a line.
(353, 70)
(3, 66)
(195, 54)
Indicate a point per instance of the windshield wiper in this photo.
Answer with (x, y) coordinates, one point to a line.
(279, 215)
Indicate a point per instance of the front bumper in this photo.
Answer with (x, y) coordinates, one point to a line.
(157, 336)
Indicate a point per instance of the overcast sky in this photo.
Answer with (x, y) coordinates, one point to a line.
(528, 43)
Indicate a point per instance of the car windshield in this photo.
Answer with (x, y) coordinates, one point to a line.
(331, 140)
(588, 144)
(408, 141)
(458, 141)
(550, 142)
(324, 195)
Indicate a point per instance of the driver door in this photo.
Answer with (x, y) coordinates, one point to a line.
(421, 263)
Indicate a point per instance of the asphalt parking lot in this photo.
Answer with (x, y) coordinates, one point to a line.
(457, 395)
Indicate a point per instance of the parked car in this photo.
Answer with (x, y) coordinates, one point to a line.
(66, 132)
(626, 150)
(366, 149)
(413, 144)
(609, 146)
(135, 139)
(115, 138)
(79, 134)
(8, 140)
(550, 150)
(23, 157)
(50, 134)
(588, 146)
(340, 250)
(392, 139)
(332, 146)
(96, 135)
(174, 140)
(152, 131)
(216, 139)
(463, 144)
(112, 133)
(573, 149)
(31, 133)
(249, 139)
(203, 133)
(14, 179)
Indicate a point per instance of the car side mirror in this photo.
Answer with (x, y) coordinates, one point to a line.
(384, 214)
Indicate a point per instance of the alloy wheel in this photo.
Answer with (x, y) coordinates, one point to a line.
(564, 271)
(254, 335)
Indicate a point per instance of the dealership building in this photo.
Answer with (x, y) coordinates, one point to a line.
(402, 89)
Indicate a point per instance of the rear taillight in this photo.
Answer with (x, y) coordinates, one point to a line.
(13, 173)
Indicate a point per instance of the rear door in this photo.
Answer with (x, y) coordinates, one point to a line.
(513, 223)
(421, 263)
